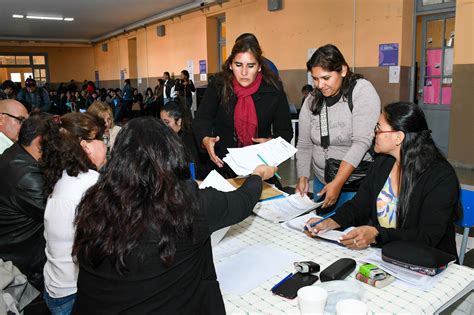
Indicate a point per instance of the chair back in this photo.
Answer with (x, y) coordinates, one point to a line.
(467, 201)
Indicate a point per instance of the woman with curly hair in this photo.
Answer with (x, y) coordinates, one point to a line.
(73, 152)
(143, 231)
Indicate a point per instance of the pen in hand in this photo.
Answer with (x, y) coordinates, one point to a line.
(327, 216)
(261, 159)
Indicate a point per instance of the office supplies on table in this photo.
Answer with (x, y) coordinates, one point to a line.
(290, 286)
(371, 271)
(338, 270)
(284, 209)
(375, 283)
(306, 266)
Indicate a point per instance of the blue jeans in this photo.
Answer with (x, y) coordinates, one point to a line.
(59, 306)
(343, 197)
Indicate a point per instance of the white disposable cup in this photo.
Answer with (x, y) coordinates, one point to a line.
(351, 306)
(312, 300)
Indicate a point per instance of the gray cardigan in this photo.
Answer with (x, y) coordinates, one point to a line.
(351, 134)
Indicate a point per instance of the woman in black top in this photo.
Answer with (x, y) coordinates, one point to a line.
(185, 87)
(178, 118)
(410, 193)
(143, 231)
(245, 104)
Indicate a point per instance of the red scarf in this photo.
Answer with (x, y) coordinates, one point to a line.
(245, 115)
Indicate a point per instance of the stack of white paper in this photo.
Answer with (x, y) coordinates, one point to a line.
(244, 160)
(284, 209)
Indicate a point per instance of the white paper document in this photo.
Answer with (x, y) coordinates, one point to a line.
(244, 160)
(251, 267)
(284, 209)
(215, 180)
(411, 278)
(299, 223)
(228, 247)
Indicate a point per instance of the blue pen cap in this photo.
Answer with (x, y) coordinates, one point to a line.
(192, 170)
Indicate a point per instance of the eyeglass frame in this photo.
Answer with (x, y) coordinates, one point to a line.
(378, 131)
(102, 138)
(20, 119)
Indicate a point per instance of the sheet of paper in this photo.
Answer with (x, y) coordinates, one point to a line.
(284, 209)
(411, 278)
(227, 248)
(244, 160)
(251, 267)
(215, 180)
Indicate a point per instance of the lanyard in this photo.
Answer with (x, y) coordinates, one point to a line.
(324, 126)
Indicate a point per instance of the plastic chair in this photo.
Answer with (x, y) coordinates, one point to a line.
(467, 221)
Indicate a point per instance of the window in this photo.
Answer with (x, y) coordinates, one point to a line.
(15, 77)
(429, 5)
(39, 60)
(221, 41)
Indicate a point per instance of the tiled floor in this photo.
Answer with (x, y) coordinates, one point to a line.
(287, 171)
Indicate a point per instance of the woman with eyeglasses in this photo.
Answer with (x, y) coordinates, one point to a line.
(410, 193)
(73, 152)
(335, 128)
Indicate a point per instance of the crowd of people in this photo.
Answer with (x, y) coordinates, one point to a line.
(104, 218)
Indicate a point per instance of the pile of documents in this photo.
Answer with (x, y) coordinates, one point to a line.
(244, 160)
(284, 209)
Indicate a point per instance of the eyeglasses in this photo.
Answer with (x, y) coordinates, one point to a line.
(20, 119)
(104, 139)
(378, 131)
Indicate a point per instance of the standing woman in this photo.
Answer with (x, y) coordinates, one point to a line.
(411, 192)
(349, 106)
(185, 87)
(73, 152)
(244, 105)
(143, 231)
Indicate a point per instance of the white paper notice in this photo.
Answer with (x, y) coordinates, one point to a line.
(284, 209)
(251, 267)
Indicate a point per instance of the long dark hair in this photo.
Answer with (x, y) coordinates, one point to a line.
(144, 188)
(61, 147)
(418, 151)
(226, 75)
(177, 111)
(330, 58)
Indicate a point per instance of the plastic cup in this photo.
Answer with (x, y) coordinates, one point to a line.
(352, 307)
(312, 300)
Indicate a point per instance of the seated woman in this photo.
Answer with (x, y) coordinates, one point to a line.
(410, 193)
(143, 231)
(178, 119)
(72, 153)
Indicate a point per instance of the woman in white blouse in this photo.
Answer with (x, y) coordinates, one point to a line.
(73, 152)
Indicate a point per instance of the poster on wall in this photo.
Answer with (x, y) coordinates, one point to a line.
(202, 70)
(190, 68)
(388, 55)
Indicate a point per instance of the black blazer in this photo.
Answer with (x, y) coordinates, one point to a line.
(216, 119)
(430, 218)
(189, 285)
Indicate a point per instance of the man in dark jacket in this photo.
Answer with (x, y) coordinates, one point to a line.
(22, 202)
(34, 98)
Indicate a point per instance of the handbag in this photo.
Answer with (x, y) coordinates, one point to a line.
(416, 257)
(332, 165)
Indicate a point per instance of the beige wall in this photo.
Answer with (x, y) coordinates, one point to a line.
(65, 62)
(461, 136)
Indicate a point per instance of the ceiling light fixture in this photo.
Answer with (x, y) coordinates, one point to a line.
(68, 19)
(37, 17)
(18, 16)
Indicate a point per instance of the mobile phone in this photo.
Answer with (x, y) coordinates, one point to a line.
(290, 287)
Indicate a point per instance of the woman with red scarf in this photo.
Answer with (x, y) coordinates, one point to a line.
(245, 104)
